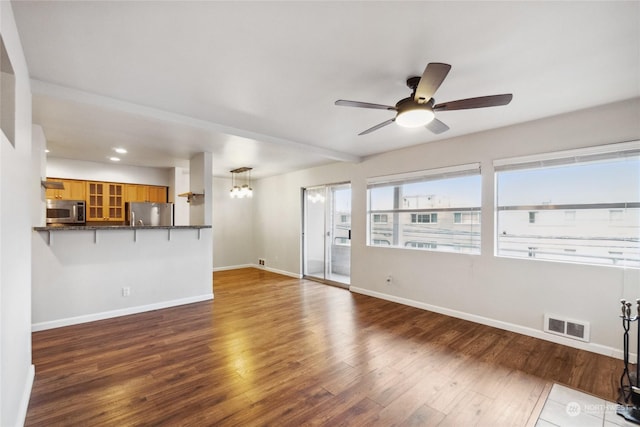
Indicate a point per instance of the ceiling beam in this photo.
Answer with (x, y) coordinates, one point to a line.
(39, 87)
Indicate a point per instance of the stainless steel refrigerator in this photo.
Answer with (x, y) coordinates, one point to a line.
(155, 214)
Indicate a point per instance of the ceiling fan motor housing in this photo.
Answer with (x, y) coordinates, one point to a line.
(414, 114)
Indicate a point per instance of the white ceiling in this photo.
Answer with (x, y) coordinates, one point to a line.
(255, 82)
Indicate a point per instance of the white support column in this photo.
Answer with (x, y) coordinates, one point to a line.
(200, 182)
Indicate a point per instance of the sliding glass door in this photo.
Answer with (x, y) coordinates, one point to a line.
(327, 233)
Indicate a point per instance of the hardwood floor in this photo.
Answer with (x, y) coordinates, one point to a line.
(273, 350)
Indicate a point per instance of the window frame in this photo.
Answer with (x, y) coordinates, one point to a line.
(402, 214)
(616, 211)
(432, 218)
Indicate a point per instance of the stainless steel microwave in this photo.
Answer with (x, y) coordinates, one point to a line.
(66, 211)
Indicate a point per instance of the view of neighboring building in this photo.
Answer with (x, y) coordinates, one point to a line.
(429, 224)
(589, 233)
(437, 211)
(567, 207)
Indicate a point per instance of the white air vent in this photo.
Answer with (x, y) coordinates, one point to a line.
(569, 328)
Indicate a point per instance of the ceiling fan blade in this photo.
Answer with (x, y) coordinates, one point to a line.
(436, 126)
(345, 103)
(378, 126)
(433, 76)
(479, 102)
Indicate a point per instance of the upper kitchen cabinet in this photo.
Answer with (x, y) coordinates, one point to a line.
(135, 193)
(157, 194)
(145, 193)
(73, 190)
(105, 201)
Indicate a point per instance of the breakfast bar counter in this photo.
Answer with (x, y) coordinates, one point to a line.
(87, 273)
(107, 228)
(119, 227)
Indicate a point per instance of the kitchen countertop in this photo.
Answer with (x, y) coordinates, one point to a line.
(119, 227)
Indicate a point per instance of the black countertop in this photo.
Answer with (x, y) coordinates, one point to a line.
(119, 227)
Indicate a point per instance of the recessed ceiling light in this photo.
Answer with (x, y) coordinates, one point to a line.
(46, 150)
(114, 159)
(120, 150)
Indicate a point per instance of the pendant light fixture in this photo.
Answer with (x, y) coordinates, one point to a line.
(241, 183)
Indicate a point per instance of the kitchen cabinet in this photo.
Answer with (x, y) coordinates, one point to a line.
(135, 193)
(157, 194)
(73, 190)
(145, 193)
(105, 201)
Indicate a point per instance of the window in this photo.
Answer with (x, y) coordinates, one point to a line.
(380, 218)
(436, 209)
(424, 218)
(381, 242)
(579, 206)
(341, 241)
(616, 215)
(466, 218)
(428, 245)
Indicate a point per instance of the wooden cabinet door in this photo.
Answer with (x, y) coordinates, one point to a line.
(95, 201)
(115, 201)
(52, 193)
(145, 193)
(136, 193)
(157, 194)
(73, 190)
(105, 201)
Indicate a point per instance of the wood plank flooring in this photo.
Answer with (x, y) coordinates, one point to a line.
(273, 350)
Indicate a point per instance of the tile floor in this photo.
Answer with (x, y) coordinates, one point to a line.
(566, 407)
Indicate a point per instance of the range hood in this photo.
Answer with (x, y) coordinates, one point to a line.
(52, 185)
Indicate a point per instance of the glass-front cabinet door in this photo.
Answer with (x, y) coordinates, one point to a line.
(105, 201)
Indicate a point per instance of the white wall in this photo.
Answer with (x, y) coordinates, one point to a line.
(509, 293)
(78, 276)
(18, 190)
(232, 227)
(110, 172)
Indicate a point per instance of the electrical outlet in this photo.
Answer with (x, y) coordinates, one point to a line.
(389, 280)
(126, 291)
(261, 261)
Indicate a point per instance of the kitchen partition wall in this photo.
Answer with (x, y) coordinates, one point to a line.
(327, 233)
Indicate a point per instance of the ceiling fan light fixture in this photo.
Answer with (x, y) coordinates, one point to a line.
(414, 117)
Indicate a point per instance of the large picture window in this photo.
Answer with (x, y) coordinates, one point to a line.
(436, 210)
(575, 206)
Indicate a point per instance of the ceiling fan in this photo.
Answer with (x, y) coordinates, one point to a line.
(419, 109)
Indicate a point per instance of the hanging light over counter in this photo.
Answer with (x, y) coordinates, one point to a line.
(241, 183)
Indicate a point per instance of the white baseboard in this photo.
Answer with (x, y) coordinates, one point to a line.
(41, 326)
(259, 267)
(283, 272)
(26, 395)
(523, 330)
(233, 267)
